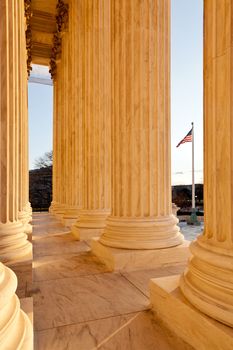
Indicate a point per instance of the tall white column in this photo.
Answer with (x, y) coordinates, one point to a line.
(13, 240)
(141, 215)
(58, 152)
(73, 143)
(55, 153)
(24, 205)
(15, 327)
(208, 281)
(95, 111)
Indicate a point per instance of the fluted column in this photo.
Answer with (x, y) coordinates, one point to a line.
(15, 327)
(208, 281)
(55, 152)
(24, 205)
(58, 171)
(141, 175)
(71, 61)
(95, 26)
(57, 206)
(13, 240)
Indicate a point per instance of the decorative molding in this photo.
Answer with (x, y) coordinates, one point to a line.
(61, 24)
(62, 15)
(28, 33)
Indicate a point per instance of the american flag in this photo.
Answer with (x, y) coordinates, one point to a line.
(187, 138)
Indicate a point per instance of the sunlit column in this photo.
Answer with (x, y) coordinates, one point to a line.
(73, 119)
(141, 215)
(208, 281)
(94, 106)
(13, 240)
(55, 152)
(15, 327)
(23, 196)
(58, 178)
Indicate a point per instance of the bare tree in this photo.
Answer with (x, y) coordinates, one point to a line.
(45, 161)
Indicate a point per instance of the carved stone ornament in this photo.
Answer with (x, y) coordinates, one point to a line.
(61, 23)
(28, 33)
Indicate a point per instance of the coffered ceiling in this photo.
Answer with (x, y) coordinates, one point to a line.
(43, 25)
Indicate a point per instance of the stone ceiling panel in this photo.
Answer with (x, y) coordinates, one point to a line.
(43, 25)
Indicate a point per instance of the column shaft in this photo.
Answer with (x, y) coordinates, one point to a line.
(96, 109)
(13, 240)
(73, 119)
(23, 196)
(208, 281)
(15, 327)
(141, 175)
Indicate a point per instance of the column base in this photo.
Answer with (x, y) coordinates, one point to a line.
(14, 245)
(28, 209)
(91, 223)
(15, 327)
(142, 233)
(70, 217)
(28, 229)
(130, 259)
(52, 207)
(82, 233)
(68, 222)
(187, 322)
(25, 217)
(207, 282)
(57, 210)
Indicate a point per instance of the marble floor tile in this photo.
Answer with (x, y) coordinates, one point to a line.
(59, 244)
(48, 230)
(73, 300)
(24, 276)
(70, 265)
(142, 278)
(136, 331)
(80, 336)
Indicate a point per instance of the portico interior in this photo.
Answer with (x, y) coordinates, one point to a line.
(110, 65)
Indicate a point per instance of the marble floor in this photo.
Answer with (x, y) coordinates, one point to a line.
(79, 304)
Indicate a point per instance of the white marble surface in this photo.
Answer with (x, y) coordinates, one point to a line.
(79, 305)
(142, 278)
(59, 244)
(66, 265)
(135, 259)
(73, 300)
(136, 331)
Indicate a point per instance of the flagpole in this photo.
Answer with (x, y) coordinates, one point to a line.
(193, 179)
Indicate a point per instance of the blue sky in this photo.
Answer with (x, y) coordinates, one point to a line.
(186, 95)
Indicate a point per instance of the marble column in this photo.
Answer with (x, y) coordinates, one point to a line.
(25, 213)
(58, 178)
(13, 240)
(55, 153)
(141, 215)
(72, 61)
(15, 327)
(208, 280)
(95, 110)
